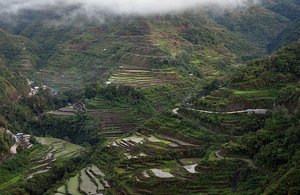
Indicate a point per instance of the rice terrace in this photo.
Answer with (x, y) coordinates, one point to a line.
(148, 97)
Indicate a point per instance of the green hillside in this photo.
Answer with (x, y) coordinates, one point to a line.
(18, 52)
(182, 103)
(281, 68)
(5, 142)
(272, 141)
(12, 85)
(287, 36)
(200, 42)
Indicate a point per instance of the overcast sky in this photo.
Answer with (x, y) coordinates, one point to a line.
(127, 7)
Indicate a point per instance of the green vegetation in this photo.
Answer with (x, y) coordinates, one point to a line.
(236, 124)
(11, 168)
(171, 103)
(5, 142)
(73, 185)
(80, 129)
(271, 140)
(60, 148)
(24, 174)
(280, 69)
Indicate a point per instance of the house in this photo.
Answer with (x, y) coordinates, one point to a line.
(257, 111)
(23, 140)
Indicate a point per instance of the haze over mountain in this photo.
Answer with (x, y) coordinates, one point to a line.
(120, 7)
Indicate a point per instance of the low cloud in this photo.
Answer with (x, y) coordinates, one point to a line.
(119, 7)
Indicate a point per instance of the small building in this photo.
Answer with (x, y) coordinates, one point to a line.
(19, 135)
(257, 111)
(260, 111)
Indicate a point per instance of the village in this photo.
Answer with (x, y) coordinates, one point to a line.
(22, 141)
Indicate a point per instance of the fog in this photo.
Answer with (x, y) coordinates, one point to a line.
(119, 7)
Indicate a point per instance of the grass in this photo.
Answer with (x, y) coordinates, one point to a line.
(120, 170)
(61, 148)
(155, 139)
(249, 94)
(10, 182)
(143, 78)
(190, 161)
(46, 141)
(62, 189)
(73, 185)
(69, 148)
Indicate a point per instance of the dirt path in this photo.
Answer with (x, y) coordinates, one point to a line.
(38, 172)
(175, 111)
(256, 111)
(250, 162)
(218, 154)
(13, 149)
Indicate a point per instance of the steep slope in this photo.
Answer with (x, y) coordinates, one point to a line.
(271, 140)
(257, 24)
(6, 142)
(287, 8)
(198, 43)
(287, 36)
(18, 52)
(12, 86)
(216, 143)
(280, 69)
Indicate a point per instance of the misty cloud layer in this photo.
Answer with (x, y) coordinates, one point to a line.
(118, 7)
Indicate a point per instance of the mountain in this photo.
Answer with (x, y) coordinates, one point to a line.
(17, 51)
(280, 69)
(271, 83)
(204, 42)
(287, 36)
(203, 101)
(12, 85)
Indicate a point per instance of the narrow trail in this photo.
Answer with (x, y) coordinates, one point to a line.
(38, 172)
(250, 162)
(256, 111)
(217, 153)
(175, 111)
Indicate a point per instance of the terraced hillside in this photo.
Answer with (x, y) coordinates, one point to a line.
(12, 85)
(151, 162)
(89, 180)
(117, 122)
(18, 52)
(57, 150)
(37, 161)
(159, 113)
(198, 43)
(117, 116)
(228, 99)
(142, 78)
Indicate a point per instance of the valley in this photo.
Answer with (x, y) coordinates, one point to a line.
(194, 102)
